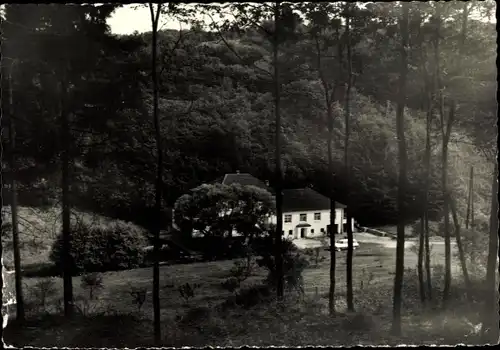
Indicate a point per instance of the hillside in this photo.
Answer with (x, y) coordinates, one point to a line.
(216, 107)
(39, 229)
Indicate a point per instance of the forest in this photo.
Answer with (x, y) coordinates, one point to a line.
(387, 107)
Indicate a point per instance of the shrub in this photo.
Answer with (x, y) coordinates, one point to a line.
(102, 246)
(187, 291)
(139, 296)
(294, 264)
(231, 284)
(40, 294)
(314, 255)
(92, 283)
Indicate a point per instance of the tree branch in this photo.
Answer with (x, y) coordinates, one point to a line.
(233, 50)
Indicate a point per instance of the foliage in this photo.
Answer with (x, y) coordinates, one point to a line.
(241, 270)
(474, 243)
(294, 263)
(218, 210)
(187, 291)
(41, 294)
(314, 255)
(102, 246)
(92, 282)
(139, 296)
(216, 107)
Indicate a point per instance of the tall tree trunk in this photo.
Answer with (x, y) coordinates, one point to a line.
(420, 262)
(14, 213)
(278, 254)
(331, 228)
(427, 165)
(444, 157)
(350, 296)
(424, 247)
(446, 211)
(446, 137)
(331, 231)
(398, 279)
(460, 247)
(490, 329)
(66, 206)
(469, 199)
(428, 258)
(155, 16)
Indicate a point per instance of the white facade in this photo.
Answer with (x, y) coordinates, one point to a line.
(314, 225)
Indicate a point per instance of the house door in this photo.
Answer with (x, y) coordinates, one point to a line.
(302, 233)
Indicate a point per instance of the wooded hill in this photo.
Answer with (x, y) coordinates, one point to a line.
(216, 106)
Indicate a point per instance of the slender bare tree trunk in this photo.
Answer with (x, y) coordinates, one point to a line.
(420, 262)
(331, 231)
(446, 132)
(424, 248)
(66, 206)
(398, 279)
(469, 199)
(155, 16)
(444, 158)
(446, 210)
(350, 296)
(460, 247)
(428, 258)
(490, 329)
(14, 213)
(431, 90)
(279, 176)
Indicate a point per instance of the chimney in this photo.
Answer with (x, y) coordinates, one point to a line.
(237, 171)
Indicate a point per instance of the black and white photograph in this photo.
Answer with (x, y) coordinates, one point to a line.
(230, 174)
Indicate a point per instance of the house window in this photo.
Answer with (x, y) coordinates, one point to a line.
(322, 230)
(290, 232)
(303, 217)
(312, 230)
(282, 233)
(317, 216)
(288, 218)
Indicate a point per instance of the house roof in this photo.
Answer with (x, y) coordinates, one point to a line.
(244, 179)
(304, 199)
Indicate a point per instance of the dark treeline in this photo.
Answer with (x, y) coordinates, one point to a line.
(216, 105)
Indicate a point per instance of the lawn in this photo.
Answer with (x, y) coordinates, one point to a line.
(114, 320)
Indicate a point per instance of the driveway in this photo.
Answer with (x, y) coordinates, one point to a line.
(364, 237)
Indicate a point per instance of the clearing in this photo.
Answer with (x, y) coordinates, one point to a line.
(373, 271)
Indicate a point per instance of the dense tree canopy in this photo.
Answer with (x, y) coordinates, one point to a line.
(216, 110)
(219, 210)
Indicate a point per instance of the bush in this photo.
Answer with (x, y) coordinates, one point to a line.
(294, 264)
(40, 294)
(105, 246)
(92, 283)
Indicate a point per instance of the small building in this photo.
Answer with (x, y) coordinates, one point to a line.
(306, 214)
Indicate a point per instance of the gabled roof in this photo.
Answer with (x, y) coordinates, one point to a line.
(243, 179)
(304, 199)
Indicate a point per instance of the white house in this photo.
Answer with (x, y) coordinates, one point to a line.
(306, 213)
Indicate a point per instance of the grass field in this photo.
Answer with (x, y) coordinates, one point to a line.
(114, 320)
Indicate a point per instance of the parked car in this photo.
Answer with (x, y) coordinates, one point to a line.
(342, 244)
